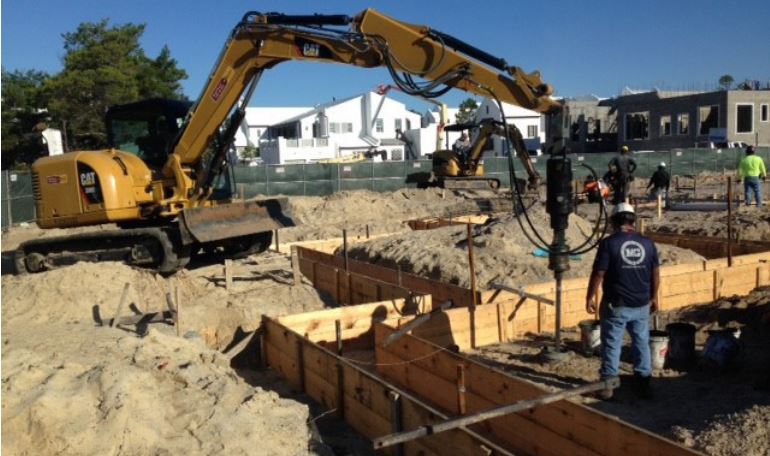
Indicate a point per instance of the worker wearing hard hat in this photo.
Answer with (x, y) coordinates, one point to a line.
(627, 269)
(660, 182)
(622, 168)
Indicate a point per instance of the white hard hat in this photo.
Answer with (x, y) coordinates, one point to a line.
(662, 164)
(622, 208)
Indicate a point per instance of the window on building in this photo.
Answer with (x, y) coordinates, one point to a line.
(334, 127)
(665, 125)
(347, 127)
(744, 122)
(763, 114)
(398, 124)
(708, 118)
(379, 126)
(637, 124)
(408, 124)
(683, 122)
(532, 131)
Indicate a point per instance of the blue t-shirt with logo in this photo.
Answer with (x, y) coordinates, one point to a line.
(628, 259)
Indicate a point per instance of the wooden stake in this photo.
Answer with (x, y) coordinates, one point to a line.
(340, 390)
(367, 231)
(121, 304)
(660, 206)
(396, 418)
(242, 191)
(178, 319)
(295, 266)
(338, 335)
(277, 243)
(228, 274)
(729, 221)
(345, 247)
(471, 265)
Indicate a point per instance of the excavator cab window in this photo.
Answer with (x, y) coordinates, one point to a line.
(147, 129)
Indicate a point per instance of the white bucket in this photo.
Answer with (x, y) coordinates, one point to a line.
(658, 348)
(590, 336)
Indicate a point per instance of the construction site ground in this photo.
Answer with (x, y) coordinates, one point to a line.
(71, 386)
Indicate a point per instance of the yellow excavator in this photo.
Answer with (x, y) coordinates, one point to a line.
(455, 169)
(159, 183)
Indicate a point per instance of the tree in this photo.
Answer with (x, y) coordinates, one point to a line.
(467, 111)
(726, 81)
(24, 114)
(103, 66)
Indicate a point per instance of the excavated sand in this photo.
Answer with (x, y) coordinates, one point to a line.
(71, 387)
(325, 217)
(750, 223)
(502, 253)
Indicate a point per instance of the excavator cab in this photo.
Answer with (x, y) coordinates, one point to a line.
(147, 129)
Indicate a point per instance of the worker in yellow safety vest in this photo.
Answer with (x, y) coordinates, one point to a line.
(751, 169)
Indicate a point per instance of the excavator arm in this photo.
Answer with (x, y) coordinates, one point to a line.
(371, 39)
(489, 127)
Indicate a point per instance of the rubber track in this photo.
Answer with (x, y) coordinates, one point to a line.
(170, 263)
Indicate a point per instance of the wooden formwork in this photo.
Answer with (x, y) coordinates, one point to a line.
(298, 347)
(709, 246)
(414, 382)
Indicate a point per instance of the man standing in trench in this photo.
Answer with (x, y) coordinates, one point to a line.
(626, 267)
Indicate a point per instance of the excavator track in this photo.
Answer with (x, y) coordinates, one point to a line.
(157, 248)
(469, 183)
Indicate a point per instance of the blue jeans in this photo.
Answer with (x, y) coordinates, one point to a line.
(752, 185)
(614, 322)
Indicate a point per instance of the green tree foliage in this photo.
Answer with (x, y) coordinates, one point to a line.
(105, 65)
(467, 111)
(726, 81)
(23, 99)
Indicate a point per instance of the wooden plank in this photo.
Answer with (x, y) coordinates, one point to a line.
(585, 426)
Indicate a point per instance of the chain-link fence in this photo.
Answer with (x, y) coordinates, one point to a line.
(318, 179)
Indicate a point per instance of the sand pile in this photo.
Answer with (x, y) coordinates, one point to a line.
(740, 433)
(749, 223)
(76, 389)
(325, 217)
(502, 253)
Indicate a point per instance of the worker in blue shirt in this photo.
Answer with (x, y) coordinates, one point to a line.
(626, 268)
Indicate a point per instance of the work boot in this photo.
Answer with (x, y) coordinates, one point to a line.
(605, 394)
(643, 388)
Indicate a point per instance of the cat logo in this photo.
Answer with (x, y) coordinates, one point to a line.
(311, 50)
(88, 179)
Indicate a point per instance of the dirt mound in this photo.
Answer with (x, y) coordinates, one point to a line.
(108, 392)
(502, 253)
(325, 217)
(741, 433)
(749, 223)
(72, 387)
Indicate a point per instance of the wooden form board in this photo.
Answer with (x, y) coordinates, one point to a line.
(560, 428)
(709, 246)
(327, 272)
(364, 398)
(512, 316)
(439, 222)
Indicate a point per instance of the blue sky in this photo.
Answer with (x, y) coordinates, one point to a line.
(580, 47)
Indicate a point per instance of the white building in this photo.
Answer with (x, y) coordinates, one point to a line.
(363, 124)
(529, 122)
(254, 126)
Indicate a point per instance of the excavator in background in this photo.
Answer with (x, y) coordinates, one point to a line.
(159, 181)
(454, 169)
